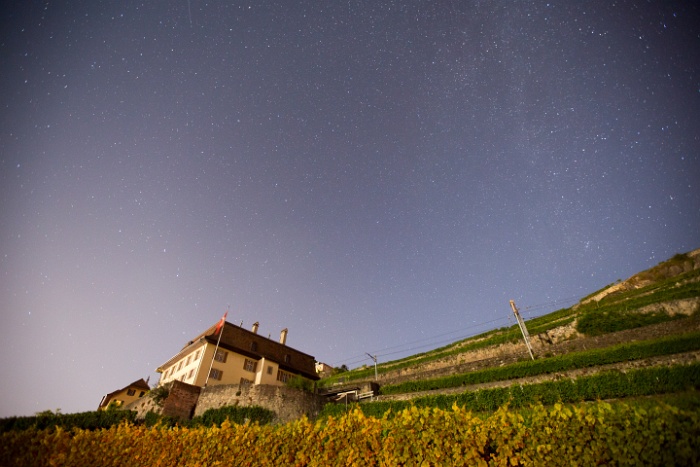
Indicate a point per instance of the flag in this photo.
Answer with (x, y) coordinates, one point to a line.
(221, 323)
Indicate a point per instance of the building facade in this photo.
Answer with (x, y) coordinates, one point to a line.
(243, 357)
(124, 396)
(323, 370)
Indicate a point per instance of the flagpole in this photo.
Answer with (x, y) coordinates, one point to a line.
(220, 328)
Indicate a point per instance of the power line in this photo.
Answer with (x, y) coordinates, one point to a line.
(534, 311)
(440, 335)
(404, 347)
(445, 341)
(409, 346)
(552, 303)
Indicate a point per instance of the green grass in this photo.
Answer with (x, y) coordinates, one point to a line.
(618, 313)
(663, 290)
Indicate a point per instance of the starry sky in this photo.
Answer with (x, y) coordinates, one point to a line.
(377, 176)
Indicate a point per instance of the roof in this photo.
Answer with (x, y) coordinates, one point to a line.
(138, 384)
(239, 340)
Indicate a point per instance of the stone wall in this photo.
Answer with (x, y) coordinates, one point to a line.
(143, 406)
(288, 403)
(620, 286)
(181, 401)
(186, 401)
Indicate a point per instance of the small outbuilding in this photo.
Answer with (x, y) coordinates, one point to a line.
(126, 395)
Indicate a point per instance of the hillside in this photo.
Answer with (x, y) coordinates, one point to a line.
(662, 302)
(615, 382)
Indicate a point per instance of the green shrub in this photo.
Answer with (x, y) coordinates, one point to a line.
(155, 419)
(299, 382)
(84, 420)
(160, 393)
(598, 323)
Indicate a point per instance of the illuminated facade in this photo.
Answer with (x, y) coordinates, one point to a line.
(243, 357)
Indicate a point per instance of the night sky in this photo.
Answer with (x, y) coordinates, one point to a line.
(376, 176)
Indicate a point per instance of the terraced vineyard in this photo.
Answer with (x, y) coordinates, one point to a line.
(651, 320)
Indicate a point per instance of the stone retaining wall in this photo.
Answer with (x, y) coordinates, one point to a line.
(182, 400)
(143, 406)
(288, 403)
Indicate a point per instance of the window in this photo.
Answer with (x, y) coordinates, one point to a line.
(179, 367)
(196, 355)
(254, 346)
(283, 376)
(216, 374)
(142, 393)
(131, 392)
(269, 370)
(250, 365)
(221, 356)
(245, 382)
(189, 357)
(287, 358)
(189, 375)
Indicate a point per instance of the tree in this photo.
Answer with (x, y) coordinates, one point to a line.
(160, 393)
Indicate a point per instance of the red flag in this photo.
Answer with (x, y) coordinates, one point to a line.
(221, 323)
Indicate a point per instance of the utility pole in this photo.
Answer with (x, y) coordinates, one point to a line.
(523, 329)
(374, 357)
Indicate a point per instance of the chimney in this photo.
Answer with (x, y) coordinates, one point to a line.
(256, 325)
(283, 336)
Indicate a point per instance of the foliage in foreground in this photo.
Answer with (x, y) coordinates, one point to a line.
(587, 434)
(240, 415)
